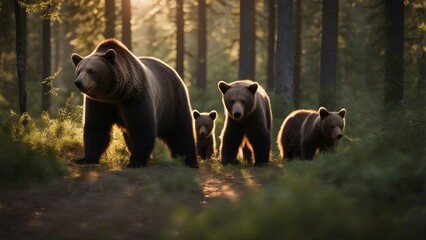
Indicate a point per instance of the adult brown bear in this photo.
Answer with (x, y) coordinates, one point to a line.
(145, 97)
(248, 122)
(303, 132)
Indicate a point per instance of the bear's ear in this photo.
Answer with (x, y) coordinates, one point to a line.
(323, 112)
(223, 86)
(342, 112)
(253, 88)
(110, 55)
(195, 114)
(76, 58)
(213, 115)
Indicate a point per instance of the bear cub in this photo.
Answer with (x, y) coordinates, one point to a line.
(247, 123)
(205, 129)
(304, 132)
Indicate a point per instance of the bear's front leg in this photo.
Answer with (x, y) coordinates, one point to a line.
(208, 153)
(98, 122)
(260, 140)
(96, 140)
(309, 148)
(231, 140)
(142, 144)
(328, 145)
(138, 119)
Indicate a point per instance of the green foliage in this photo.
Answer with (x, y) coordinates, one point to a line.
(297, 209)
(371, 188)
(36, 149)
(25, 156)
(49, 81)
(48, 8)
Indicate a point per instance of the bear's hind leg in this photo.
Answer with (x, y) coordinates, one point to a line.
(181, 142)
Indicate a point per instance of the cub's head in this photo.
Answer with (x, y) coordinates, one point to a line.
(94, 74)
(332, 123)
(204, 122)
(239, 99)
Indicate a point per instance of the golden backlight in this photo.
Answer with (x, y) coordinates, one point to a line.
(140, 2)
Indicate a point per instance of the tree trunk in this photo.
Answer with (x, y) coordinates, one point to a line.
(202, 45)
(297, 52)
(271, 43)
(284, 53)
(180, 44)
(20, 57)
(330, 9)
(126, 31)
(247, 40)
(57, 45)
(394, 55)
(46, 46)
(421, 92)
(109, 19)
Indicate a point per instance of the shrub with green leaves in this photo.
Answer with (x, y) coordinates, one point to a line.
(36, 149)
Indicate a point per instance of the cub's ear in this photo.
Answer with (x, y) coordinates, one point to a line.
(110, 55)
(213, 115)
(223, 86)
(323, 112)
(342, 112)
(253, 88)
(76, 58)
(195, 114)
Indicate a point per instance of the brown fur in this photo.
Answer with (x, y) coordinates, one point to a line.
(304, 132)
(248, 122)
(205, 129)
(144, 96)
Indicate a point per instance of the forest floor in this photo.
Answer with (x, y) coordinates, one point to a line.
(100, 202)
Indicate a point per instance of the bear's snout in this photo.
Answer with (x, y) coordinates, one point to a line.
(337, 133)
(202, 131)
(237, 111)
(78, 83)
(237, 115)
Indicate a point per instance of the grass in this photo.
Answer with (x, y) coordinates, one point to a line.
(30, 152)
(372, 186)
(354, 193)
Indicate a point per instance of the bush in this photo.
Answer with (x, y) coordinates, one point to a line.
(34, 150)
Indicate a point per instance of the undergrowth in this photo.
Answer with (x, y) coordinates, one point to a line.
(36, 150)
(373, 188)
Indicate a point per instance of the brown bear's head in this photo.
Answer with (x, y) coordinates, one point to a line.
(204, 122)
(332, 123)
(238, 98)
(94, 74)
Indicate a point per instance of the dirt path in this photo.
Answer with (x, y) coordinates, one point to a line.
(121, 204)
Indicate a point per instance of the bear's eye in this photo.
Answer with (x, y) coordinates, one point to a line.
(243, 102)
(90, 71)
(232, 101)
